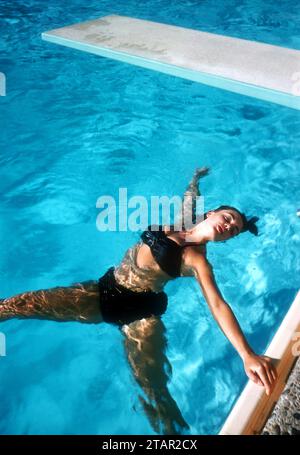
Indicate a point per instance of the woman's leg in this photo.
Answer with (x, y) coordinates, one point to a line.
(146, 344)
(79, 302)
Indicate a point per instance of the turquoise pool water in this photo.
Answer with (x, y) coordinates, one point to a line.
(75, 126)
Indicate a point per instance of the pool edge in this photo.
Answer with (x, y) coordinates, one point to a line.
(253, 406)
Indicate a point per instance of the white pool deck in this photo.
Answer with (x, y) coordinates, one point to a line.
(260, 70)
(253, 406)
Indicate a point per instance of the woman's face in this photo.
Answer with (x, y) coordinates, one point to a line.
(223, 225)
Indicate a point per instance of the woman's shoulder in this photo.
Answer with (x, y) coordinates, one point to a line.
(192, 254)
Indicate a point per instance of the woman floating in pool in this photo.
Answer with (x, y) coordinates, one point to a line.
(131, 295)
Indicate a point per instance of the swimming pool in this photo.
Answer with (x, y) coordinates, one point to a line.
(74, 127)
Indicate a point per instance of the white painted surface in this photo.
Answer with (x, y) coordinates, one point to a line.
(247, 67)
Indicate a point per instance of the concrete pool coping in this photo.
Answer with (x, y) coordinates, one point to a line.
(285, 417)
(264, 71)
(253, 406)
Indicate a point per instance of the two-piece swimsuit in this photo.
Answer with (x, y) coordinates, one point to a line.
(122, 305)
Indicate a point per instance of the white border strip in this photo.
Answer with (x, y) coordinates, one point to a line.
(253, 407)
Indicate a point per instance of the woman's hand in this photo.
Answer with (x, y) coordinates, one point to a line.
(200, 172)
(259, 369)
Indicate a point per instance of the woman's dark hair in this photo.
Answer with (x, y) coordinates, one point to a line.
(248, 224)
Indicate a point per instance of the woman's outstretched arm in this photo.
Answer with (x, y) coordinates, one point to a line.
(187, 215)
(257, 367)
(145, 344)
(79, 302)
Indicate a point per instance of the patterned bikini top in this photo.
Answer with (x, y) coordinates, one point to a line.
(167, 253)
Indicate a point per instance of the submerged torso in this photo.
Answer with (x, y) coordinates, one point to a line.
(140, 271)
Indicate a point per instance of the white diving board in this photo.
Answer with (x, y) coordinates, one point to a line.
(260, 70)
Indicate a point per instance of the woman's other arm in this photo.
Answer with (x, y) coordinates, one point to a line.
(187, 214)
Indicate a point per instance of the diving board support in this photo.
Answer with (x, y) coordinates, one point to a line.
(264, 71)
